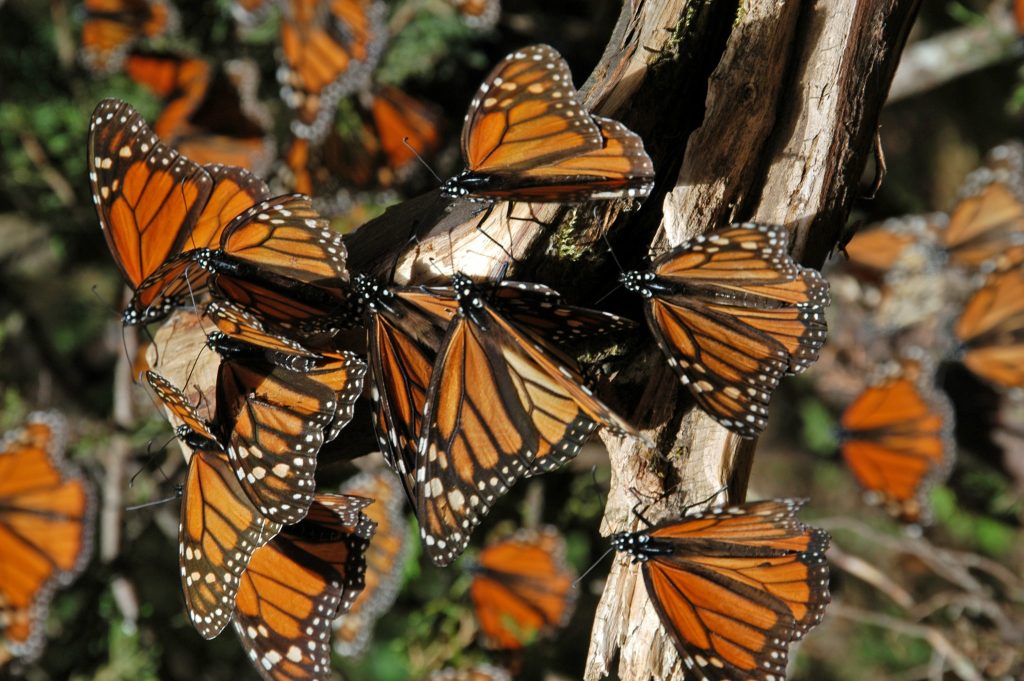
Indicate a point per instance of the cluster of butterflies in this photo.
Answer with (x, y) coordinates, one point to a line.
(474, 386)
(328, 51)
(915, 295)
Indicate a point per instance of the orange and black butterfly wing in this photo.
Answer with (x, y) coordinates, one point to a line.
(403, 336)
(734, 313)
(522, 587)
(329, 49)
(296, 584)
(984, 223)
(46, 516)
(527, 137)
(111, 27)
(402, 122)
(180, 81)
(478, 14)
(498, 407)
(300, 310)
(242, 327)
(991, 330)
(897, 440)
(148, 197)
(284, 237)
(195, 431)
(342, 373)
(181, 277)
(220, 529)
(385, 560)
(735, 586)
(273, 421)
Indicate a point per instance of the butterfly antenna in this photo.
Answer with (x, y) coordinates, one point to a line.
(405, 141)
(150, 455)
(105, 303)
(179, 492)
(591, 568)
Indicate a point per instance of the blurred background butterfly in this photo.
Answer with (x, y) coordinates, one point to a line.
(210, 114)
(112, 27)
(47, 515)
(897, 440)
(522, 588)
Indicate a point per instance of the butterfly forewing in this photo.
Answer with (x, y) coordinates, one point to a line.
(147, 195)
(296, 584)
(498, 407)
(526, 114)
(273, 421)
(220, 529)
(522, 587)
(287, 237)
(46, 517)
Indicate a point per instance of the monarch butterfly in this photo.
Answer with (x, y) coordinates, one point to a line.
(478, 14)
(987, 219)
(522, 587)
(220, 527)
(154, 203)
(112, 26)
(990, 329)
(385, 560)
(400, 122)
(886, 248)
(504, 401)
(46, 525)
(733, 313)
(273, 422)
(330, 47)
(527, 137)
(483, 672)
(897, 438)
(209, 115)
(296, 584)
(734, 586)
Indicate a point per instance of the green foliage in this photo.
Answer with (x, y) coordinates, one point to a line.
(424, 48)
(818, 427)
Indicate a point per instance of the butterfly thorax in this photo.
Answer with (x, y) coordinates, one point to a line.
(471, 299)
(195, 441)
(370, 294)
(133, 316)
(639, 281)
(640, 546)
(460, 186)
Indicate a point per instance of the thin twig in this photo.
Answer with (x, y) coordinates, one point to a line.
(57, 183)
(867, 572)
(958, 662)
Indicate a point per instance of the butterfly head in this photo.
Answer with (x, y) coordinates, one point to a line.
(464, 185)
(637, 544)
(638, 281)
